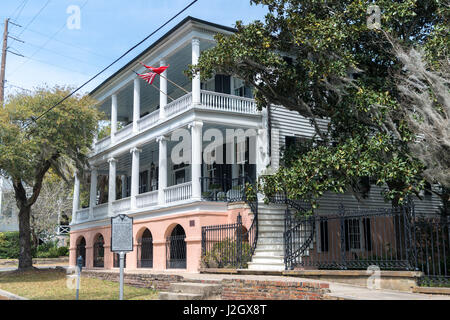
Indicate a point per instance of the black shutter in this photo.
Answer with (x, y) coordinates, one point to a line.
(346, 235)
(324, 236)
(222, 84)
(367, 234)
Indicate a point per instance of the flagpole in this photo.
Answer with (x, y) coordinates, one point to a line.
(166, 78)
(174, 83)
(157, 88)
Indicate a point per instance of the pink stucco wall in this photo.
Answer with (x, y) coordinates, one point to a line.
(161, 228)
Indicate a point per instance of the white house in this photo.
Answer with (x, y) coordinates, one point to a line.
(170, 199)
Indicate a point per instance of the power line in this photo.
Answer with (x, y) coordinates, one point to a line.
(21, 7)
(111, 64)
(39, 49)
(68, 44)
(34, 18)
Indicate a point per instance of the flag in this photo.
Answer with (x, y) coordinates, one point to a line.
(158, 70)
(149, 77)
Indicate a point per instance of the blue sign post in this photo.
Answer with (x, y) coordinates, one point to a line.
(79, 268)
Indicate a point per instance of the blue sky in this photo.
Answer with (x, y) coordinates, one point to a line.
(56, 54)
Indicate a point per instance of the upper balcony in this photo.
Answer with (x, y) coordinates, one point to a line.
(213, 101)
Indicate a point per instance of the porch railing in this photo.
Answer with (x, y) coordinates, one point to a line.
(148, 120)
(178, 105)
(101, 210)
(147, 199)
(228, 102)
(178, 192)
(124, 132)
(82, 215)
(121, 205)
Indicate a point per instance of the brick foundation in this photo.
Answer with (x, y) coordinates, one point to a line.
(232, 289)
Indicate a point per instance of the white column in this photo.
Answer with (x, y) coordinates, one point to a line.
(134, 176)
(163, 92)
(197, 143)
(112, 185)
(196, 79)
(136, 104)
(124, 186)
(93, 192)
(162, 175)
(76, 198)
(113, 116)
(1, 194)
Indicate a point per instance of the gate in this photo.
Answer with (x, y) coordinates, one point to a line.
(227, 245)
(145, 253)
(99, 253)
(176, 252)
(351, 239)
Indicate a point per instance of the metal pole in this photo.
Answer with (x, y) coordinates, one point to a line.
(122, 257)
(3, 66)
(78, 282)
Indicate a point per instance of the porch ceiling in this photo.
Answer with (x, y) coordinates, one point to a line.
(150, 95)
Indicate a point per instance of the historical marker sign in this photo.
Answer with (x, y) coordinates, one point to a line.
(121, 233)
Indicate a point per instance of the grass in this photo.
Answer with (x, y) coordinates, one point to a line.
(52, 285)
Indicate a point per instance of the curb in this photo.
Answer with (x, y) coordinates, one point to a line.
(11, 296)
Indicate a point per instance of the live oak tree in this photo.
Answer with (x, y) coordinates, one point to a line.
(326, 61)
(29, 148)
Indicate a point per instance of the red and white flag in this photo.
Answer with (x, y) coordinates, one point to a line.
(158, 70)
(149, 77)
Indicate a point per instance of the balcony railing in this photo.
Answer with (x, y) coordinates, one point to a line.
(179, 105)
(101, 210)
(209, 100)
(178, 192)
(147, 199)
(148, 120)
(228, 102)
(121, 205)
(82, 215)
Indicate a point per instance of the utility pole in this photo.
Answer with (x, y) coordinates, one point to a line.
(3, 67)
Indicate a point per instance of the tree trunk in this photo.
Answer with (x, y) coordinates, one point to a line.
(25, 258)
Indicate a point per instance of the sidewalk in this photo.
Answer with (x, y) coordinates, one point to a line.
(338, 290)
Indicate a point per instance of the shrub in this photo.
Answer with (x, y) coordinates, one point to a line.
(9, 245)
(223, 255)
(50, 249)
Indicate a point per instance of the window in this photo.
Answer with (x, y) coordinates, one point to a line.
(358, 234)
(222, 83)
(143, 181)
(241, 90)
(179, 173)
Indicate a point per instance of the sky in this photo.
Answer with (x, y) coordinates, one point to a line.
(60, 49)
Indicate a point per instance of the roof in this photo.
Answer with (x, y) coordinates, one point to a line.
(164, 37)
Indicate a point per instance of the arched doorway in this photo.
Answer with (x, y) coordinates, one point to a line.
(145, 250)
(99, 252)
(81, 250)
(176, 249)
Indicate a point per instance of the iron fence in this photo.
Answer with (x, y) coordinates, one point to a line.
(431, 243)
(176, 252)
(99, 254)
(227, 245)
(117, 260)
(351, 240)
(145, 253)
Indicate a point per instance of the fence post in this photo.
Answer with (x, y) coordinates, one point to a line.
(342, 223)
(239, 240)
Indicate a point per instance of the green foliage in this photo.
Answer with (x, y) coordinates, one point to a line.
(321, 59)
(9, 245)
(50, 249)
(223, 255)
